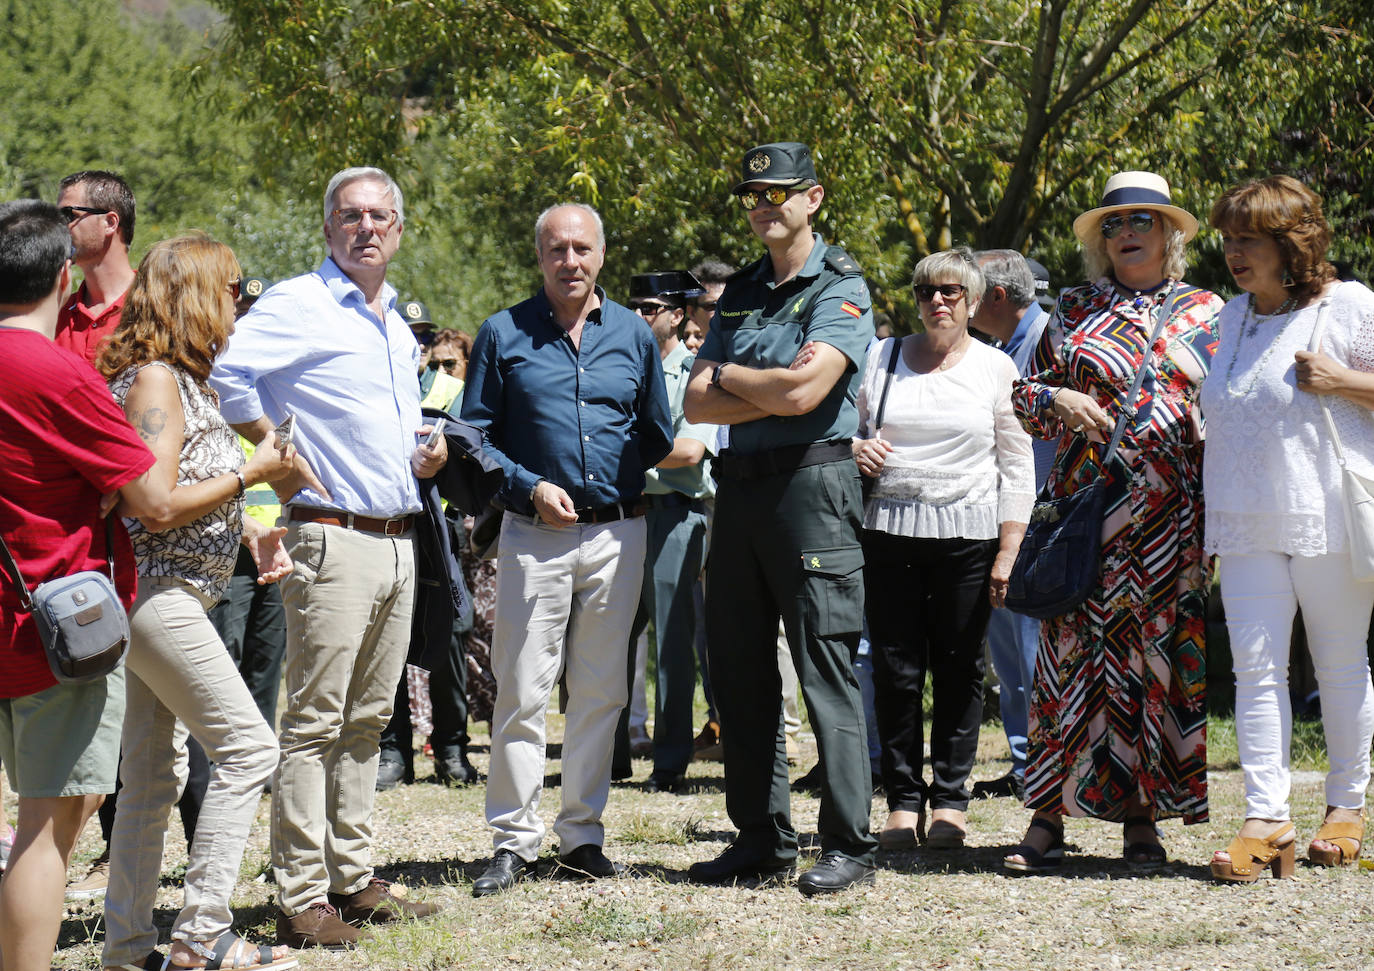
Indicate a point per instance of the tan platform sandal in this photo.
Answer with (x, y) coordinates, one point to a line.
(904, 829)
(1347, 837)
(1250, 856)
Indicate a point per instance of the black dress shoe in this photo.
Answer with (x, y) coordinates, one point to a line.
(666, 782)
(588, 862)
(454, 769)
(835, 872)
(1009, 785)
(392, 771)
(501, 873)
(738, 863)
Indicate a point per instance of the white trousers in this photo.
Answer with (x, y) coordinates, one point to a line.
(1261, 592)
(565, 600)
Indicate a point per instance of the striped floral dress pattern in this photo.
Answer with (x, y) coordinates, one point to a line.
(1118, 702)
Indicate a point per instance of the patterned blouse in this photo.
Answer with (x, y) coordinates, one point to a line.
(203, 551)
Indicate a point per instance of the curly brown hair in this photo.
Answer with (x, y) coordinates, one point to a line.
(176, 310)
(1282, 207)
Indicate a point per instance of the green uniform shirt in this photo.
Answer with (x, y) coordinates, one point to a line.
(693, 481)
(762, 325)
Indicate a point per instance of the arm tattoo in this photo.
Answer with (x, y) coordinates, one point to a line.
(150, 423)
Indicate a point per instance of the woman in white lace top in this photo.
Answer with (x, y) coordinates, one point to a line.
(1274, 513)
(954, 485)
(177, 318)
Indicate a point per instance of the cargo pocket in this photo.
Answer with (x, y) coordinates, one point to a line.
(833, 587)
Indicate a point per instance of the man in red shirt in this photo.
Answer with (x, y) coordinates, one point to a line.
(64, 444)
(99, 210)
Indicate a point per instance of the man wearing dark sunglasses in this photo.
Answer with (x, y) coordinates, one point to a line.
(99, 211)
(780, 366)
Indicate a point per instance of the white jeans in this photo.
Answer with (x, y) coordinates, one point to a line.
(1262, 592)
(179, 671)
(565, 600)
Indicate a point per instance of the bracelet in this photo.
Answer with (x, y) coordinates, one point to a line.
(243, 483)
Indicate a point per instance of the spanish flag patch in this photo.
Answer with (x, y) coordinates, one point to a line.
(850, 309)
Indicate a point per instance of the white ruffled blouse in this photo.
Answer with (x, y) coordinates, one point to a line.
(961, 464)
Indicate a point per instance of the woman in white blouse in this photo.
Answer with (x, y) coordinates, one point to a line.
(1274, 512)
(954, 487)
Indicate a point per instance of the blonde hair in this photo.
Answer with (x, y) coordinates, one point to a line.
(175, 310)
(1096, 263)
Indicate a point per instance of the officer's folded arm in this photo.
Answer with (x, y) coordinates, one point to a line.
(772, 391)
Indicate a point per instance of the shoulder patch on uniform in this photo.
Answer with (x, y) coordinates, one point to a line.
(841, 262)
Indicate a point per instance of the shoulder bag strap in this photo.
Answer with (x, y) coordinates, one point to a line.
(25, 600)
(1318, 332)
(1128, 413)
(887, 382)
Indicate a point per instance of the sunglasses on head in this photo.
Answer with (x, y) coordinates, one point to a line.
(1140, 222)
(925, 292)
(774, 195)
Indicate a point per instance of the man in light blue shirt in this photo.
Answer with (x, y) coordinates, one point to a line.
(1010, 313)
(330, 348)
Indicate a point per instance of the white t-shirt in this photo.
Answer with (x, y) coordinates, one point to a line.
(1270, 477)
(961, 463)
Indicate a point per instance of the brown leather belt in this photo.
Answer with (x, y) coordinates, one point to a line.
(366, 524)
(609, 513)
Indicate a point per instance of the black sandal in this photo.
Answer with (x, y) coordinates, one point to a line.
(1033, 860)
(1142, 854)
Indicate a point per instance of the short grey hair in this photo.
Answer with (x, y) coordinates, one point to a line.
(356, 174)
(1096, 263)
(957, 263)
(1008, 269)
(543, 221)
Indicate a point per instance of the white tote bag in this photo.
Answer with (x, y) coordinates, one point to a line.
(1357, 491)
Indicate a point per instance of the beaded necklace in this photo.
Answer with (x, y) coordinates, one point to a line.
(1249, 328)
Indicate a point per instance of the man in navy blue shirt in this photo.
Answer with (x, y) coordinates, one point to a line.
(568, 390)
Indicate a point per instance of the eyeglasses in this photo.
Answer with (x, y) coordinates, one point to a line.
(353, 218)
(708, 305)
(1140, 222)
(925, 292)
(775, 195)
(235, 287)
(72, 213)
(447, 363)
(650, 310)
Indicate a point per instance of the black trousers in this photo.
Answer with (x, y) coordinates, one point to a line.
(928, 609)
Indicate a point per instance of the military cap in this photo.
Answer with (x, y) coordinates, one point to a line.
(415, 313)
(252, 287)
(673, 287)
(777, 163)
(1042, 282)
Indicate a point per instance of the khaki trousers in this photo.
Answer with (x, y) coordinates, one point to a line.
(348, 608)
(565, 599)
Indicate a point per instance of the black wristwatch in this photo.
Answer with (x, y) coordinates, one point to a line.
(715, 375)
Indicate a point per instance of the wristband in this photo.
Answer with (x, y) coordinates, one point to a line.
(715, 375)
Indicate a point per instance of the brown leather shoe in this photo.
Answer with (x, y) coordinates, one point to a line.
(317, 926)
(375, 904)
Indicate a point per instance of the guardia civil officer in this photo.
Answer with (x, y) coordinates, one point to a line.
(781, 367)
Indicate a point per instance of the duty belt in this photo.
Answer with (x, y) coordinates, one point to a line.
(756, 465)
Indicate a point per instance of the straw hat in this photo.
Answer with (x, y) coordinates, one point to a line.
(1129, 191)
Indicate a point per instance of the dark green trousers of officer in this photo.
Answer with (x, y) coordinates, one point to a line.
(787, 545)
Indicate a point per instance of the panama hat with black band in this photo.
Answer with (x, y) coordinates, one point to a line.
(1131, 191)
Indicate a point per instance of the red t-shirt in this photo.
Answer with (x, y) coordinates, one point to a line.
(63, 442)
(81, 333)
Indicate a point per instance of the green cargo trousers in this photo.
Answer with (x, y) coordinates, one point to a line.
(787, 545)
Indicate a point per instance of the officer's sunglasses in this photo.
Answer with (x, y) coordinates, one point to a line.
(1140, 222)
(774, 195)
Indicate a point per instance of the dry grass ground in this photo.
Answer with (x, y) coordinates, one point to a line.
(929, 909)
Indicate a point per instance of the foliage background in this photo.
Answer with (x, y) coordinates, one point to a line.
(934, 122)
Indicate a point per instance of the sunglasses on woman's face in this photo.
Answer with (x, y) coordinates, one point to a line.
(1140, 223)
(925, 292)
